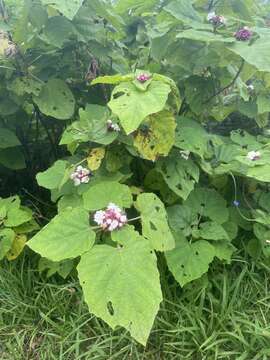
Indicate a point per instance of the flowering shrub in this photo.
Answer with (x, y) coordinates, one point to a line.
(148, 125)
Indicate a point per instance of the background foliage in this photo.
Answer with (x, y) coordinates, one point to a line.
(180, 165)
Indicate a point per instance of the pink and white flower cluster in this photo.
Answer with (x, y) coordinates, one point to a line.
(243, 34)
(216, 20)
(81, 176)
(112, 126)
(111, 218)
(143, 78)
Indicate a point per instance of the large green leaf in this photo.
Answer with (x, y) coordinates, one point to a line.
(154, 222)
(188, 262)
(67, 236)
(58, 30)
(8, 139)
(16, 217)
(183, 10)
(257, 54)
(159, 137)
(180, 175)
(56, 100)
(12, 158)
(68, 8)
(100, 195)
(132, 105)
(210, 230)
(121, 285)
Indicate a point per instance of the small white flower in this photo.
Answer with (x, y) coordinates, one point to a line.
(267, 241)
(250, 88)
(254, 155)
(99, 217)
(185, 154)
(211, 15)
(112, 126)
(114, 207)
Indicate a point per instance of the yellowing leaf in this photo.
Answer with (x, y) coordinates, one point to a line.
(17, 247)
(158, 138)
(95, 158)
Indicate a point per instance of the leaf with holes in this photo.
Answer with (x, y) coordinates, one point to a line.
(158, 139)
(179, 174)
(208, 203)
(67, 236)
(154, 222)
(56, 100)
(132, 105)
(121, 285)
(188, 262)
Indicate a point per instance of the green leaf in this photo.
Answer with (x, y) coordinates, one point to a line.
(113, 79)
(263, 102)
(223, 250)
(159, 137)
(210, 231)
(183, 10)
(125, 234)
(100, 195)
(92, 126)
(67, 236)
(181, 218)
(205, 36)
(257, 54)
(8, 139)
(58, 31)
(132, 105)
(63, 268)
(191, 136)
(7, 237)
(180, 175)
(188, 262)
(121, 285)
(154, 222)
(56, 100)
(208, 203)
(53, 177)
(16, 217)
(66, 7)
(12, 158)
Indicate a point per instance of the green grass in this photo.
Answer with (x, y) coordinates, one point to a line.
(225, 318)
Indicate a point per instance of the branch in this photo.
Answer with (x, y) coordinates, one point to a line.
(229, 85)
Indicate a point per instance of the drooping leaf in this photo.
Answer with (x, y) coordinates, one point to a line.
(95, 158)
(67, 236)
(56, 100)
(121, 285)
(100, 195)
(7, 237)
(159, 137)
(132, 105)
(17, 247)
(188, 262)
(154, 222)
